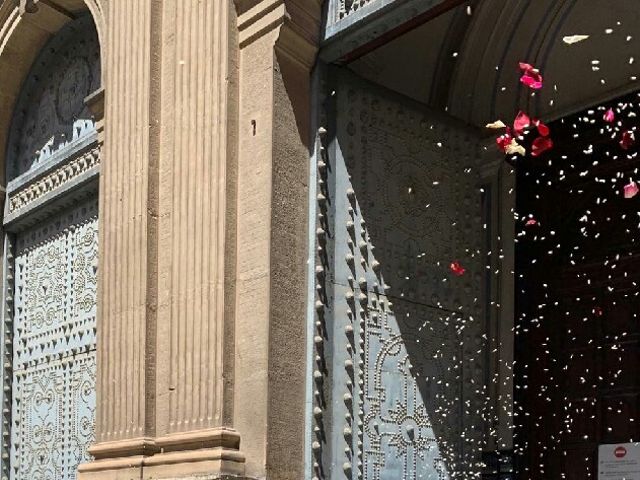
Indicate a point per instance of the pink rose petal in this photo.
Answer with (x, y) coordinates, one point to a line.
(521, 122)
(631, 190)
(609, 116)
(531, 222)
(531, 82)
(530, 76)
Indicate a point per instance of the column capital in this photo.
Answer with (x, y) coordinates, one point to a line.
(298, 22)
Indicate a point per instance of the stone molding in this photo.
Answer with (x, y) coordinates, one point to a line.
(349, 34)
(213, 446)
(124, 448)
(259, 20)
(298, 21)
(53, 181)
(211, 438)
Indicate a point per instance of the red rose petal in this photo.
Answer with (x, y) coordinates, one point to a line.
(457, 269)
(541, 145)
(530, 76)
(531, 82)
(543, 130)
(504, 140)
(627, 140)
(531, 222)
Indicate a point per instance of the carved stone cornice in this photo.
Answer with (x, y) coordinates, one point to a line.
(351, 32)
(54, 180)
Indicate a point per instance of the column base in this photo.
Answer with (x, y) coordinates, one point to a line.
(202, 455)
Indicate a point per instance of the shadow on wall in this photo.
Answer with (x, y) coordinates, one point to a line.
(407, 204)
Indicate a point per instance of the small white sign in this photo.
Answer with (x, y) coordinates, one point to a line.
(619, 462)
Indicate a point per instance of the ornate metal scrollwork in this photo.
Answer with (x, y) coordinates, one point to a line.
(53, 406)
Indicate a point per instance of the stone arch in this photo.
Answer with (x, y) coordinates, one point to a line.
(466, 59)
(485, 84)
(50, 63)
(23, 34)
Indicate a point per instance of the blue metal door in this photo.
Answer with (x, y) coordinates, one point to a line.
(399, 379)
(54, 345)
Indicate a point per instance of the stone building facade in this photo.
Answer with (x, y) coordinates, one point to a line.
(228, 226)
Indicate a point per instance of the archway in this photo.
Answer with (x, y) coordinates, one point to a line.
(577, 332)
(52, 159)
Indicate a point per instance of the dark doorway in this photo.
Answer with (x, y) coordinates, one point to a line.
(577, 297)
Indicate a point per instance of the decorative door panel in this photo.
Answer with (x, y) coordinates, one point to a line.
(54, 342)
(399, 348)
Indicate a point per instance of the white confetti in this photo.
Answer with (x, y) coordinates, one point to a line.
(571, 39)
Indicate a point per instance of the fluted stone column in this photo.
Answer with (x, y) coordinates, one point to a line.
(125, 416)
(167, 237)
(203, 207)
(196, 241)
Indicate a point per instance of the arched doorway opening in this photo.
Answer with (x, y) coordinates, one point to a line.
(577, 338)
(51, 259)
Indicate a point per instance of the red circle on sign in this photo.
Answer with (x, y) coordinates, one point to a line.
(620, 452)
